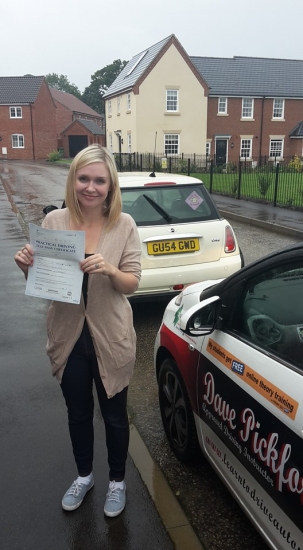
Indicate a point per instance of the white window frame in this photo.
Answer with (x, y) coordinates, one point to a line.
(208, 148)
(118, 104)
(109, 107)
(172, 101)
(17, 141)
(278, 109)
(15, 112)
(171, 144)
(246, 148)
(129, 143)
(128, 102)
(222, 105)
(247, 108)
(278, 145)
(111, 142)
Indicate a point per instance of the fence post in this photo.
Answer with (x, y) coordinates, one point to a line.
(239, 180)
(120, 161)
(211, 176)
(141, 163)
(188, 167)
(169, 164)
(130, 162)
(276, 183)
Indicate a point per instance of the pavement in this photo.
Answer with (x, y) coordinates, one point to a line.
(36, 459)
(280, 220)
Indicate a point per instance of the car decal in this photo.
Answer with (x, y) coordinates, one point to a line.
(264, 387)
(177, 317)
(269, 450)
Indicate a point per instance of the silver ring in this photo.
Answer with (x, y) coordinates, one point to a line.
(97, 266)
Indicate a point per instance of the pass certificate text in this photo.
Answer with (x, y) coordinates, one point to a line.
(56, 273)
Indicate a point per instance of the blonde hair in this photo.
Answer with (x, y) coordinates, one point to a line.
(94, 153)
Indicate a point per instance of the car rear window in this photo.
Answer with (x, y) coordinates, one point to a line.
(154, 205)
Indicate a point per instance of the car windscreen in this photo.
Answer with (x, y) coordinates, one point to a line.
(161, 204)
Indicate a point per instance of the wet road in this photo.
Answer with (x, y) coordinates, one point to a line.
(215, 516)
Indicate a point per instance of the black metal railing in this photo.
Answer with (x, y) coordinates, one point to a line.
(265, 179)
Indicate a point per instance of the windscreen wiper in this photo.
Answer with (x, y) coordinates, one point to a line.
(159, 209)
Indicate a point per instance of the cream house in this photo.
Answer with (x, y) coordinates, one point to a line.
(158, 103)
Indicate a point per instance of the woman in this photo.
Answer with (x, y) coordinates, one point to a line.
(95, 341)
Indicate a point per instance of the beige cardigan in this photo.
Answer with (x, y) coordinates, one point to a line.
(108, 312)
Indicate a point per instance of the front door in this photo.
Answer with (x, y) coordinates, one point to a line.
(221, 149)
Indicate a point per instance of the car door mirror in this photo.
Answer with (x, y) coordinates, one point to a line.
(201, 319)
(49, 208)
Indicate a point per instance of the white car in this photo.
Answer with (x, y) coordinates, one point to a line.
(184, 238)
(229, 365)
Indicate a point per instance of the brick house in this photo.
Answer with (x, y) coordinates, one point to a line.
(229, 108)
(27, 118)
(255, 107)
(72, 136)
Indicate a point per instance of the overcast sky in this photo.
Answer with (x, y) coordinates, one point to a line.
(77, 37)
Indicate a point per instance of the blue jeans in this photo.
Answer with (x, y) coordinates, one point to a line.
(77, 387)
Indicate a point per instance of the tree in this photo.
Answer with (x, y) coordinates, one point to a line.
(61, 82)
(100, 82)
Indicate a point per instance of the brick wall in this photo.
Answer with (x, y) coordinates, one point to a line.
(232, 125)
(37, 125)
(9, 126)
(64, 117)
(44, 123)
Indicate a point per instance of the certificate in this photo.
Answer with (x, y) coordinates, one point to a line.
(56, 273)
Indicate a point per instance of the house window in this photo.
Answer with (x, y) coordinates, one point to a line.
(111, 142)
(172, 100)
(171, 144)
(118, 104)
(17, 141)
(15, 112)
(109, 107)
(208, 148)
(129, 143)
(245, 152)
(278, 108)
(128, 102)
(276, 148)
(222, 106)
(247, 107)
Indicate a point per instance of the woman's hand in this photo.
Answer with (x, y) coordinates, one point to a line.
(97, 264)
(123, 282)
(25, 258)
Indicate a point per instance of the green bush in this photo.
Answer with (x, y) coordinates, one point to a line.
(264, 183)
(295, 164)
(54, 155)
(234, 187)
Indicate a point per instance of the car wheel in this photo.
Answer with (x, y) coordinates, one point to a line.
(176, 412)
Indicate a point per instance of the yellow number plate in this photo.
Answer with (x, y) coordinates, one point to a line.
(177, 246)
